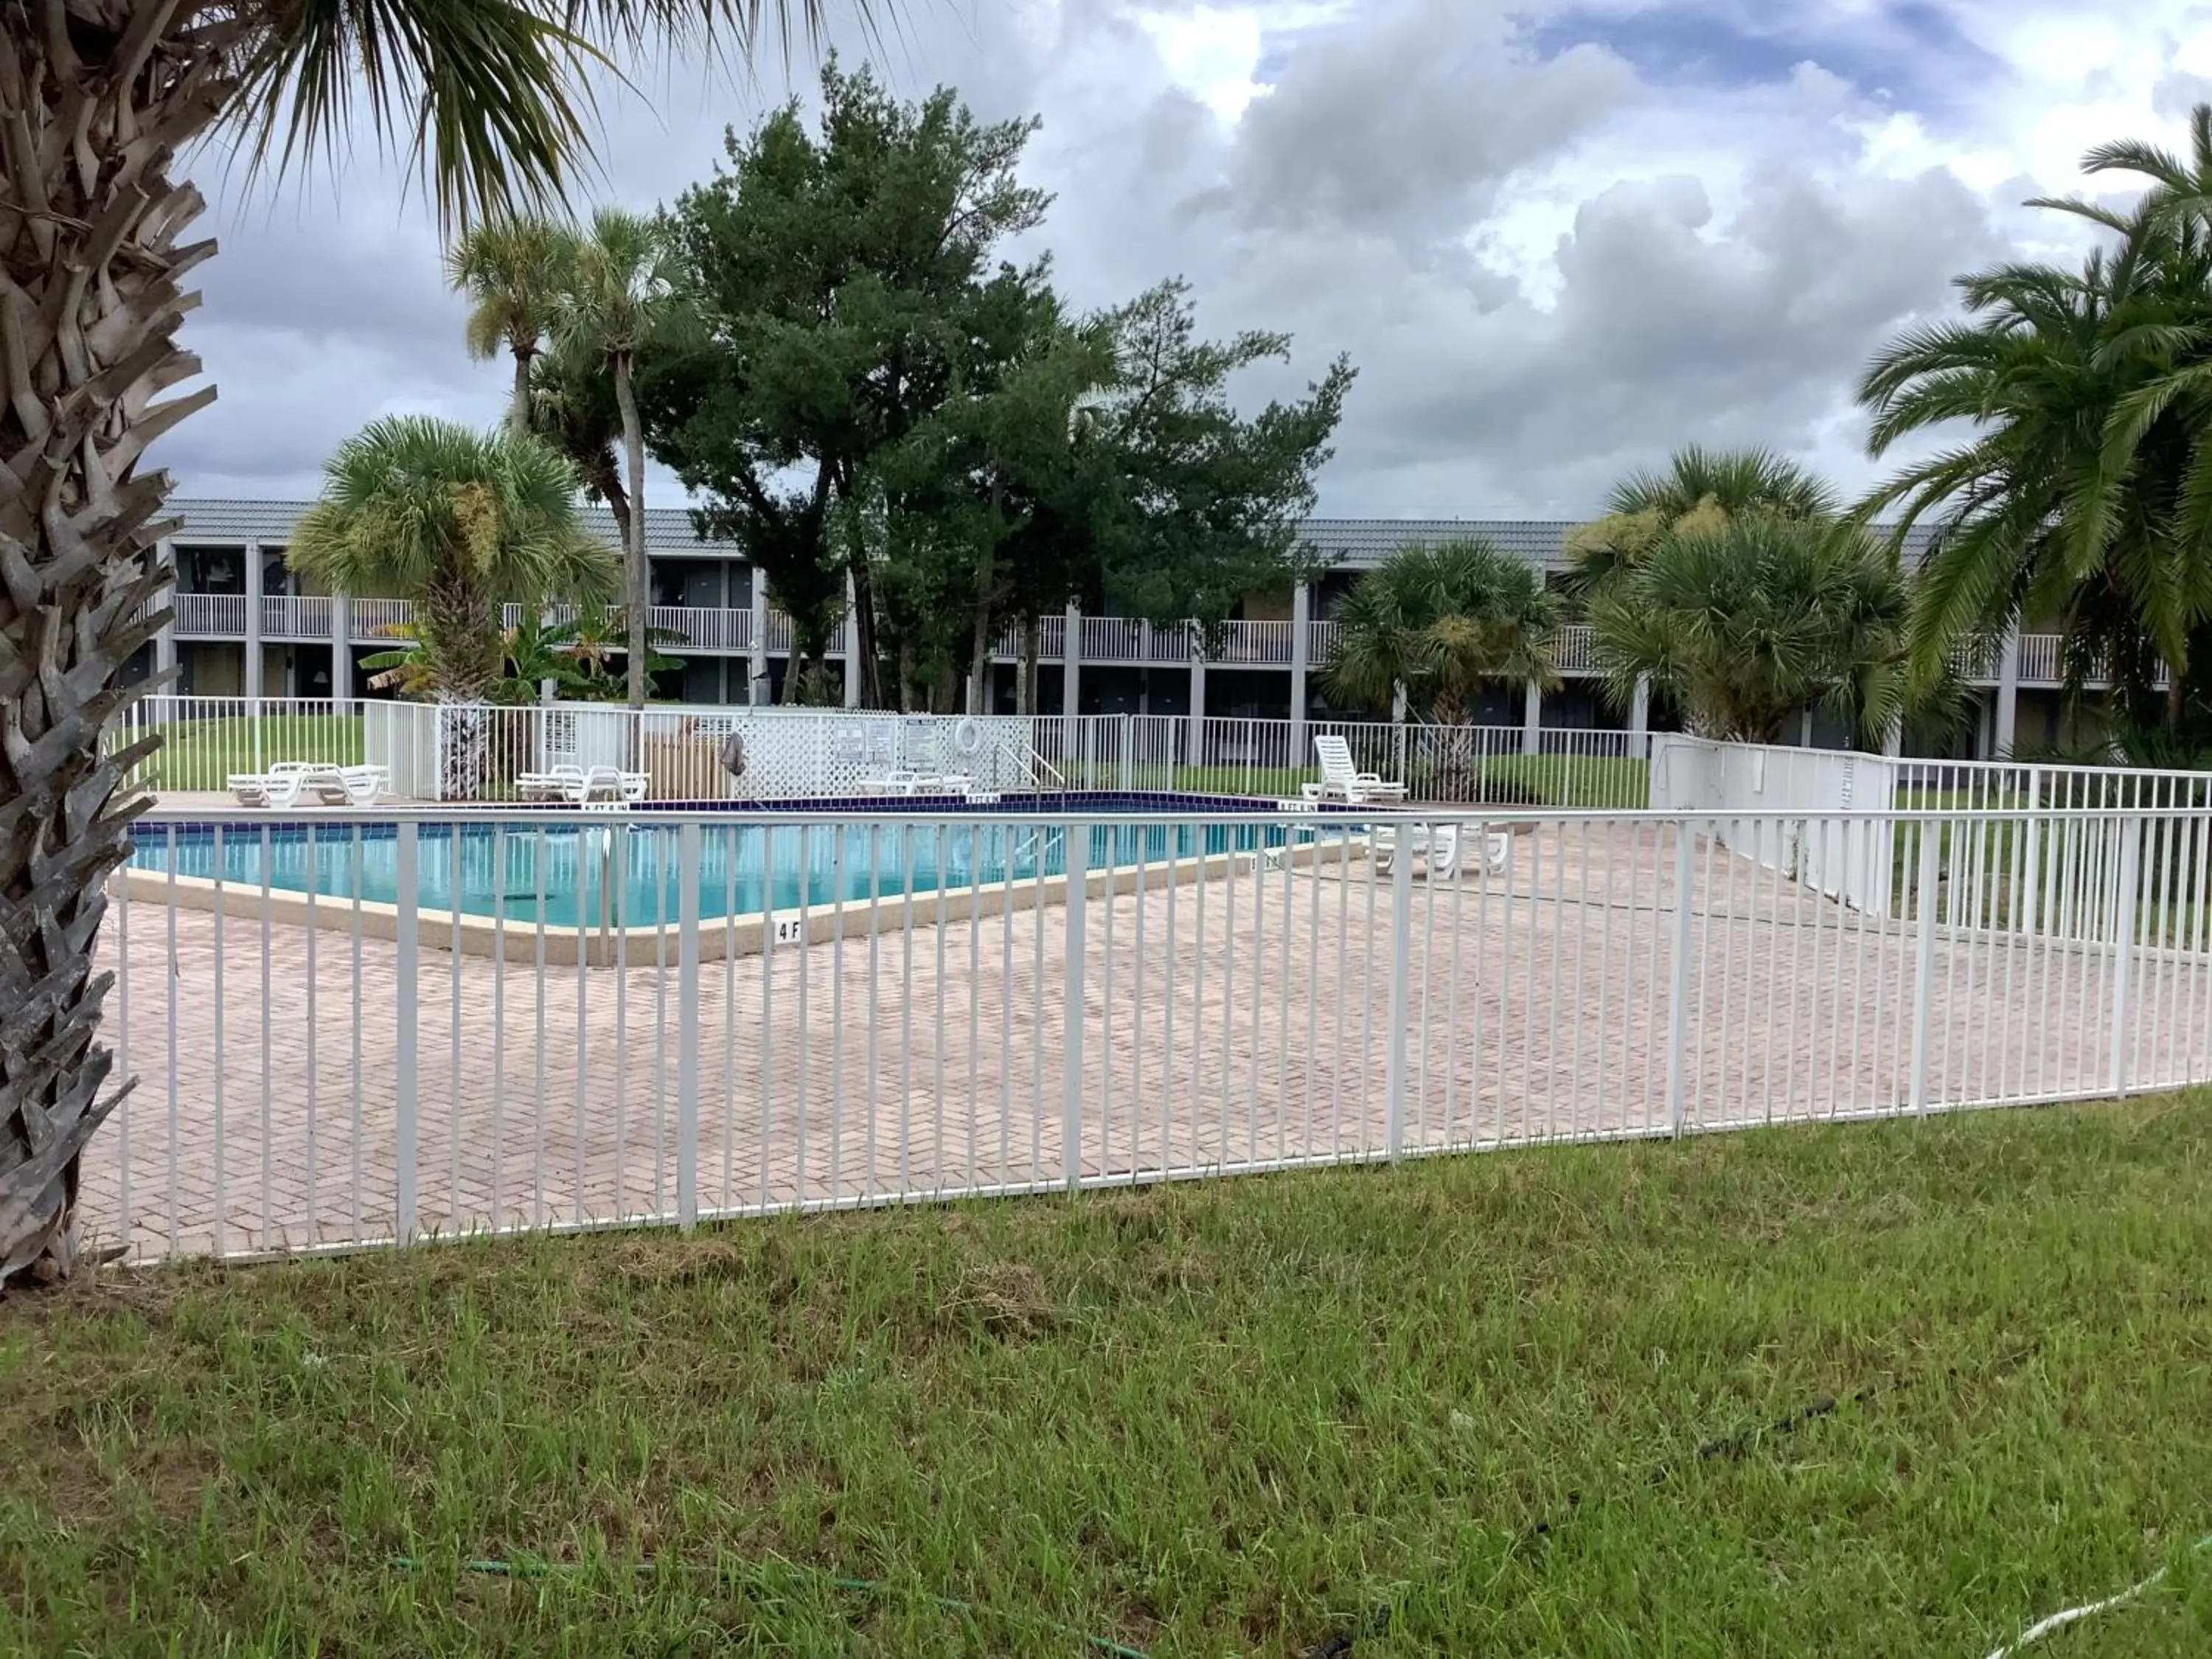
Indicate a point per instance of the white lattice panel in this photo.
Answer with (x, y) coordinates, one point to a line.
(811, 753)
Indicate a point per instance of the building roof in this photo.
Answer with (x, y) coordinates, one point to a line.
(667, 529)
(1360, 544)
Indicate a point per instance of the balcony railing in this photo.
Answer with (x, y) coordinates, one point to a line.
(373, 619)
(211, 616)
(286, 617)
(1106, 640)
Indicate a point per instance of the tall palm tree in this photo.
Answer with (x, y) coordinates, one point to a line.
(1747, 623)
(1438, 623)
(513, 270)
(2085, 488)
(1701, 489)
(456, 520)
(489, 103)
(618, 293)
(572, 407)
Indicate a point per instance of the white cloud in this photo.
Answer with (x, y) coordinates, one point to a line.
(1552, 249)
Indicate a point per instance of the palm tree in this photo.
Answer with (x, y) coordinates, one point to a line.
(513, 270)
(489, 102)
(618, 292)
(2085, 489)
(1436, 623)
(456, 520)
(1748, 623)
(1701, 490)
(572, 407)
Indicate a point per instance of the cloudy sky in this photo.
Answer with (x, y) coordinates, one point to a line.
(1555, 239)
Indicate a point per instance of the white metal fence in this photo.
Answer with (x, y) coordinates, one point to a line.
(797, 753)
(355, 1028)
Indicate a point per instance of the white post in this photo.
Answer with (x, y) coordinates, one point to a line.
(251, 683)
(1804, 728)
(1532, 717)
(687, 1025)
(1400, 1011)
(757, 658)
(1639, 706)
(1197, 705)
(1677, 984)
(2130, 832)
(1893, 739)
(1923, 972)
(2008, 693)
(1071, 678)
(2031, 874)
(1071, 1097)
(340, 647)
(404, 1139)
(1301, 664)
(852, 646)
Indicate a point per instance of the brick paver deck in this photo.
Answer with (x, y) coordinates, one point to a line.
(1233, 1024)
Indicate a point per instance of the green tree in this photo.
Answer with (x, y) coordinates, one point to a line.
(513, 270)
(1747, 624)
(1701, 489)
(457, 521)
(572, 408)
(837, 281)
(1438, 623)
(618, 294)
(491, 104)
(2083, 490)
(1207, 502)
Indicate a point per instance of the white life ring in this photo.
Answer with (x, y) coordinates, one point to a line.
(968, 736)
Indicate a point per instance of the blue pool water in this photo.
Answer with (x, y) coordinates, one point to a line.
(558, 875)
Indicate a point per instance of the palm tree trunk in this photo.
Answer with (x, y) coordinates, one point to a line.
(461, 637)
(1025, 677)
(517, 412)
(978, 661)
(97, 99)
(640, 589)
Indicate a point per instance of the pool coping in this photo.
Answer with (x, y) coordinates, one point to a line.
(720, 937)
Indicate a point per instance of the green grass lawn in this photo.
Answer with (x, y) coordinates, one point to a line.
(203, 753)
(1887, 1390)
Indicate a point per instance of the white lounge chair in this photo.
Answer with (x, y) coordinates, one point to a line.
(1340, 779)
(559, 782)
(348, 785)
(902, 780)
(612, 783)
(281, 786)
(1446, 849)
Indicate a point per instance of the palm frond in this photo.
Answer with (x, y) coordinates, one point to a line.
(487, 102)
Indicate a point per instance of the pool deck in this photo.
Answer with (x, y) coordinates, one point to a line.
(1238, 1022)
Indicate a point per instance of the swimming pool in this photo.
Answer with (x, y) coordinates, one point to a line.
(587, 874)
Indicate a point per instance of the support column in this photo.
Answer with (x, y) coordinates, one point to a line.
(1532, 717)
(1640, 707)
(1197, 707)
(341, 646)
(756, 680)
(1301, 666)
(1804, 728)
(1071, 677)
(852, 643)
(252, 682)
(1892, 739)
(2008, 693)
(165, 640)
